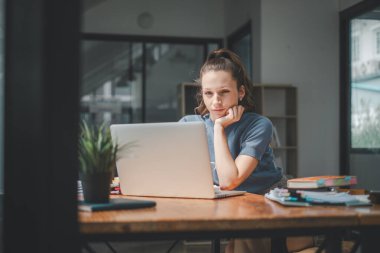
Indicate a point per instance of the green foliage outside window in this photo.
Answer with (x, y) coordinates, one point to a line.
(367, 133)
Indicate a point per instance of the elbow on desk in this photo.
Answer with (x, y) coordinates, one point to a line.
(231, 184)
(228, 185)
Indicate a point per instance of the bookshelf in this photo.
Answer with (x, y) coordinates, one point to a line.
(186, 98)
(279, 104)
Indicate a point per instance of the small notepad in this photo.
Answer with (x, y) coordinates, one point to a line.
(308, 198)
(115, 204)
(337, 198)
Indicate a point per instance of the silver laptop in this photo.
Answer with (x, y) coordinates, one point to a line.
(165, 160)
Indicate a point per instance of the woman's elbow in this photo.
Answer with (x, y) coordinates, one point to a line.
(228, 185)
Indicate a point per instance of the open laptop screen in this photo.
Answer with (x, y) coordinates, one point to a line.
(166, 159)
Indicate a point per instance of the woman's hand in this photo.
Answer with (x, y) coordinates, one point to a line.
(233, 115)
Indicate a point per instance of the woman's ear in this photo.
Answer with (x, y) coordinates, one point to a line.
(241, 92)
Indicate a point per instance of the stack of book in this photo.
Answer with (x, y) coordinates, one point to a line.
(318, 190)
(318, 182)
(115, 186)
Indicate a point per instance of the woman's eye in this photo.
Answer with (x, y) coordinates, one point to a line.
(207, 93)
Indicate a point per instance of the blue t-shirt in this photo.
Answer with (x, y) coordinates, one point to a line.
(250, 136)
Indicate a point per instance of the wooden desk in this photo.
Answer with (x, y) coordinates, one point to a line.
(243, 216)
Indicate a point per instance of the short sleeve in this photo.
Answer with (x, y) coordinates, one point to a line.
(190, 118)
(256, 138)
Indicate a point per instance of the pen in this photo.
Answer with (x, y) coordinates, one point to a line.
(290, 199)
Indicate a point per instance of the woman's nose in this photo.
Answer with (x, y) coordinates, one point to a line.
(217, 99)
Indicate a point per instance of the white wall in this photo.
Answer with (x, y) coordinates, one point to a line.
(299, 46)
(296, 42)
(195, 18)
(237, 13)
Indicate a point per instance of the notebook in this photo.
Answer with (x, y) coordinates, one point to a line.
(115, 204)
(168, 159)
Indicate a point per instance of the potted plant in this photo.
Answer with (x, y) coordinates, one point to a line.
(97, 157)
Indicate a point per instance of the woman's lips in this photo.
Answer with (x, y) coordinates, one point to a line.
(219, 111)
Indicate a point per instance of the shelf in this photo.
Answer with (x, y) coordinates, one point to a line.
(279, 103)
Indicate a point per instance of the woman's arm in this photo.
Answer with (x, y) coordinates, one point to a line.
(231, 173)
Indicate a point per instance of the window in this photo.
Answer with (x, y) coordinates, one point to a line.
(111, 81)
(360, 93)
(365, 89)
(172, 64)
(355, 48)
(377, 42)
(132, 80)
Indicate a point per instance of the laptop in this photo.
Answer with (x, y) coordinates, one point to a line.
(168, 159)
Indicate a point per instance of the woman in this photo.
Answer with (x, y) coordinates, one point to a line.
(238, 138)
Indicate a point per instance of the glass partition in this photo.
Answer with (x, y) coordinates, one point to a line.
(131, 81)
(112, 82)
(168, 65)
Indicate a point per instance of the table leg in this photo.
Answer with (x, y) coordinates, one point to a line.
(333, 244)
(278, 244)
(369, 239)
(87, 247)
(215, 246)
(110, 247)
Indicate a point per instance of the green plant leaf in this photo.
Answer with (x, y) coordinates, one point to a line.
(96, 150)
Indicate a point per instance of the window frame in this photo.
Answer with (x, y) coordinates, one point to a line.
(240, 33)
(377, 40)
(345, 17)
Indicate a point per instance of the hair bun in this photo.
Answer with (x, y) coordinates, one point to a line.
(220, 53)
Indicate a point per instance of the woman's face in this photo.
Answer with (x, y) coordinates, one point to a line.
(219, 92)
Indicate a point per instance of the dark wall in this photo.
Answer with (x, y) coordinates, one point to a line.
(41, 121)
